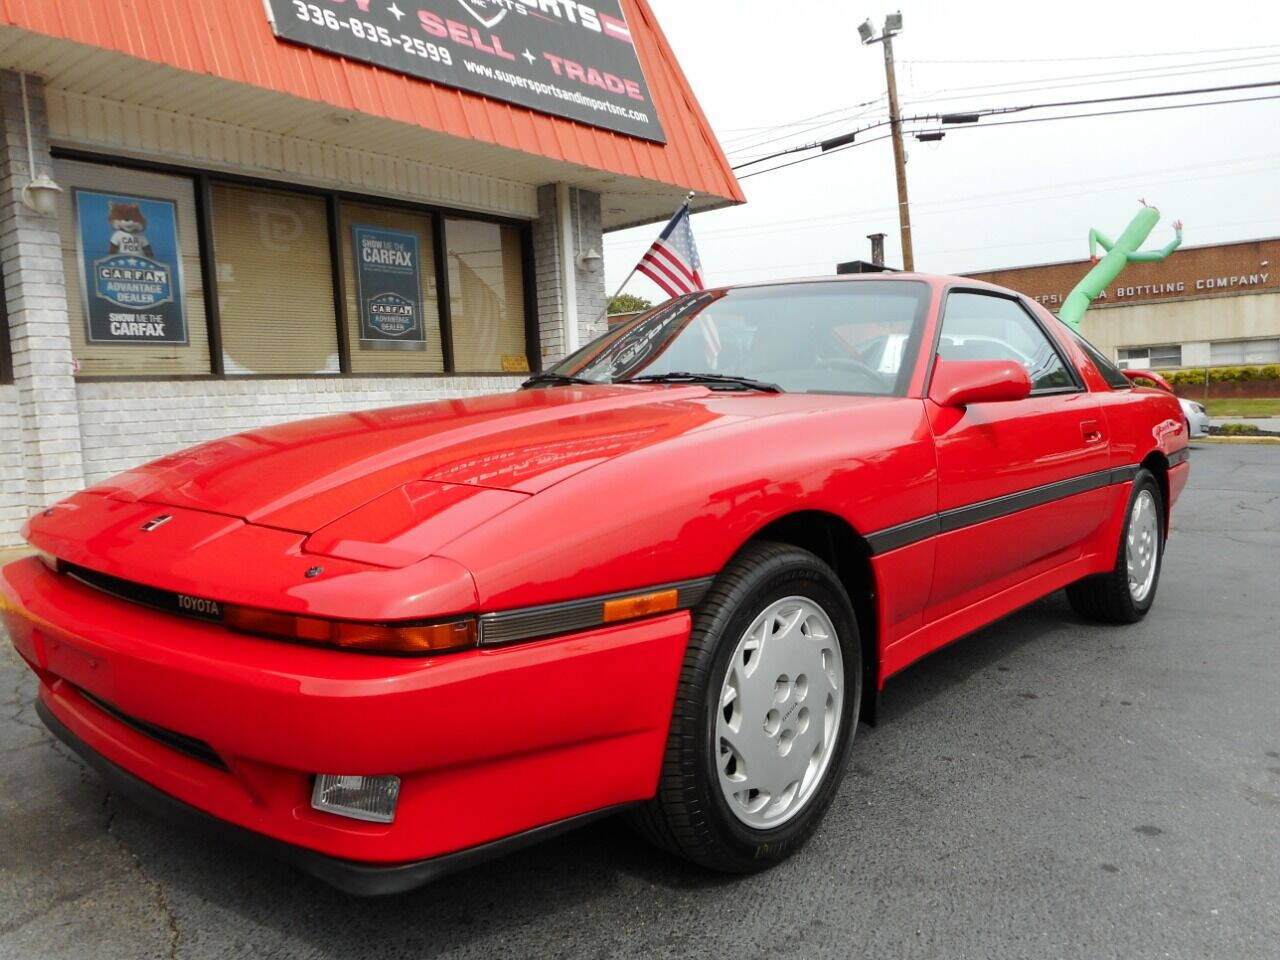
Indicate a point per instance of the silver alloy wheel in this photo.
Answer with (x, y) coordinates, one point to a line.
(1143, 547)
(779, 714)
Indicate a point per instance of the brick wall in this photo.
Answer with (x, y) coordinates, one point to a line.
(546, 260)
(592, 298)
(588, 235)
(127, 423)
(13, 486)
(48, 437)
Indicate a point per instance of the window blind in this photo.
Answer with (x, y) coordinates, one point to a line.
(486, 296)
(275, 285)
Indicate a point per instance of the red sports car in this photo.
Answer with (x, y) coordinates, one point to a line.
(669, 576)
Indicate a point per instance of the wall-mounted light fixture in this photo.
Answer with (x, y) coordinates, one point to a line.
(591, 261)
(41, 192)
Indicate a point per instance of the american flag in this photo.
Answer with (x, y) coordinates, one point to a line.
(672, 262)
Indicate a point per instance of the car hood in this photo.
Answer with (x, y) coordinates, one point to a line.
(305, 476)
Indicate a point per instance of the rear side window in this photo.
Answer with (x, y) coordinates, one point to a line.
(978, 326)
(1109, 371)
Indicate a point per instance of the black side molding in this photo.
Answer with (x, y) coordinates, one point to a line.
(350, 876)
(913, 531)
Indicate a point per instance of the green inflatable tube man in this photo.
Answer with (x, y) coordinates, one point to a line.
(1119, 254)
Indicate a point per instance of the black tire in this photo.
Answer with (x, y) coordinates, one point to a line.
(690, 816)
(1107, 598)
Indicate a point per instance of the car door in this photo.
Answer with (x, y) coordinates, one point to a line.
(1021, 484)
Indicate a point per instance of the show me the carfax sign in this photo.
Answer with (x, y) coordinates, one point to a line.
(556, 56)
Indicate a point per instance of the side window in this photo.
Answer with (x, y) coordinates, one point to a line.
(977, 326)
(1109, 371)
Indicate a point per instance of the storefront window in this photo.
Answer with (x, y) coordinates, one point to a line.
(136, 276)
(389, 278)
(131, 256)
(275, 284)
(486, 296)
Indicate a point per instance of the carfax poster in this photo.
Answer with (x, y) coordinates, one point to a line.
(388, 289)
(131, 267)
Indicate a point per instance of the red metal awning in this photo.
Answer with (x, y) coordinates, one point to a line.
(232, 40)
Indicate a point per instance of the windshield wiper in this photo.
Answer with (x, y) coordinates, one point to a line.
(711, 379)
(557, 380)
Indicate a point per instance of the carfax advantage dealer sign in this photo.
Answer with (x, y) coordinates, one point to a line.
(557, 56)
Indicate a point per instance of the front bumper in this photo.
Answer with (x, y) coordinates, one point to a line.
(1198, 424)
(361, 879)
(489, 744)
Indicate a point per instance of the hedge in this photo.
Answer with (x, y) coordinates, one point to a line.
(1240, 429)
(1222, 374)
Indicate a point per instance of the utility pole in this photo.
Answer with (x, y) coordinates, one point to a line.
(893, 26)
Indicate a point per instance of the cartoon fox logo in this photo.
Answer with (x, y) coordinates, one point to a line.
(130, 226)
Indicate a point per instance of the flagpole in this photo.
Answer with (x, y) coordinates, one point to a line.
(634, 271)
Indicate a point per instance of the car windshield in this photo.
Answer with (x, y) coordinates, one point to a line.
(859, 337)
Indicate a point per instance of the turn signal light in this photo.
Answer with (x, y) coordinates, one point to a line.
(360, 798)
(644, 605)
(418, 638)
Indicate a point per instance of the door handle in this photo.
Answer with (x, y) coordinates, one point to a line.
(1091, 431)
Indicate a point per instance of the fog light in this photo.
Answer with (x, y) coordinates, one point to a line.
(361, 798)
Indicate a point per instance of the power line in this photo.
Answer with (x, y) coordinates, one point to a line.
(807, 128)
(1110, 75)
(931, 98)
(741, 144)
(849, 146)
(1128, 96)
(758, 131)
(735, 146)
(990, 111)
(1114, 113)
(738, 153)
(997, 198)
(1105, 56)
(1004, 123)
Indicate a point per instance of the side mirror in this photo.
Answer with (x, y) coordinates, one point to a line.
(958, 383)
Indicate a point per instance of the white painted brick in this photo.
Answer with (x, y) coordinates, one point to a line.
(39, 416)
(178, 414)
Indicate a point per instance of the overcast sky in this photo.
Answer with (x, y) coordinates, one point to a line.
(982, 197)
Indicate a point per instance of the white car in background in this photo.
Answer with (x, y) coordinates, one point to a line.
(1194, 413)
(1197, 418)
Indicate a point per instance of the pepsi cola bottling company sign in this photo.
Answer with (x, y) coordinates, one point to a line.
(560, 57)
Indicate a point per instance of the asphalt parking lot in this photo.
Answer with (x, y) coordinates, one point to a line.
(1043, 789)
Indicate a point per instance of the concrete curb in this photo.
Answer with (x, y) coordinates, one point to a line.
(1264, 441)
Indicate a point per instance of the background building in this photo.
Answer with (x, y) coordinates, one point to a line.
(1203, 306)
(272, 209)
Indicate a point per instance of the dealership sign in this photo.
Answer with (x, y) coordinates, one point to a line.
(557, 56)
(389, 289)
(132, 268)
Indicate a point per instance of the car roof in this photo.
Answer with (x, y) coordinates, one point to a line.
(933, 279)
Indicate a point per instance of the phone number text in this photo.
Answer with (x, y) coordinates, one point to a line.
(364, 30)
